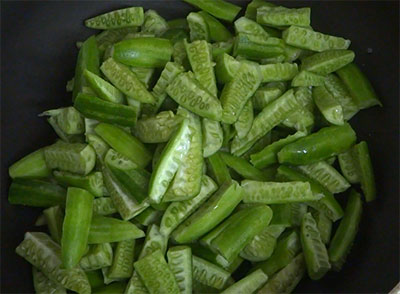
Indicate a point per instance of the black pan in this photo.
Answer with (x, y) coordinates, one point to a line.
(38, 56)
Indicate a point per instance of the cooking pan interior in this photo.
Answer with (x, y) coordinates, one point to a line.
(38, 56)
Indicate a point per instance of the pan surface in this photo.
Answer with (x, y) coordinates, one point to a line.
(38, 56)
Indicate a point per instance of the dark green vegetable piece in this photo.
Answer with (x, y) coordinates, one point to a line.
(326, 62)
(345, 234)
(92, 182)
(251, 10)
(248, 284)
(256, 47)
(143, 52)
(96, 108)
(358, 86)
(218, 168)
(88, 58)
(218, 32)
(54, 217)
(114, 288)
(126, 17)
(124, 143)
(78, 215)
(321, 145)
(103, 89)
(219, 8)
(32, 165)
(366, 172)
(37, 193)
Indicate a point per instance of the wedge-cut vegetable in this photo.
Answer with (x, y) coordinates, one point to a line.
(103, 89)
(366, 172)
(328, 105)
(122, 265)
(104, 206)
(308, 39)
(126, 17)
(218, 169)
(275, 193)
(155, 240)
(180, 262)
(54, 217)
(257, 47)
(32, 165)
(307, 79)
(98, 256)
(282, 16)
(154, 23)
(278, 72)
(212, 136)
(248, 284)
(154, 265)
(328, 61)
(348, 166)
(209, 274)
(266, 94)
(42, 284)
(219, 8)
(45, 255)
(92, 182)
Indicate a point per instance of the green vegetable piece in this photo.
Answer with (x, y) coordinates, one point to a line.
(327, 62)
(126, 203)
(218, 32)
(198, 27)
(187, 181)
(348, 166)
(175, 35)
(124, 143)
(286, 249)
(155, 240)
(315, 253)
(345, 234)
(154, 265)
(266, 94)
(273, 114)
(200, 58)
(169, 73)
(149, 216)
(37, 193)
(219, 8)
(122, 263)
(177, 212)
(32, 165)
(44, 254)
(180, 262)
(238, 91)
(143, 52)
(278, 72)
(126, 81)
(114, 288)
(178, 23)
(366, 172)
(268, 155)
(92, 182)
(43, 284)
(276, 193)
(126, 17)
(359, 86)
(104, 206)
(219, 48)
(306, 38)
(109, 37)
(244, 168)
(95, 278)
(326, 175)
(263, 244)
(226, 68)
(189, 93)
(54, 217)
(257, 47)
(251, 9)
(218, 207)
(318, 146)
(99, 256)
(107, 230)
(306, 79)
(329, 107)
(234, 238)
(158, 128)
(135, 285)
(218, 168)
(327, 204)
(245, 120)
(339, 92)
(145, 75)
(179, 54)
(324, 225)
(96, 108)
(68, 119)
(212, 136)
(78, 214)
(301, 119)
(170, 160)
(286, 279)
(282, 16)
(209, 274)
(248, 284)
(103, 89)
(88, 58)
(154, 23)
(248, 26)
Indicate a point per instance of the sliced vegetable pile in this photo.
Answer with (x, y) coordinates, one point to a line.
(190, 149)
